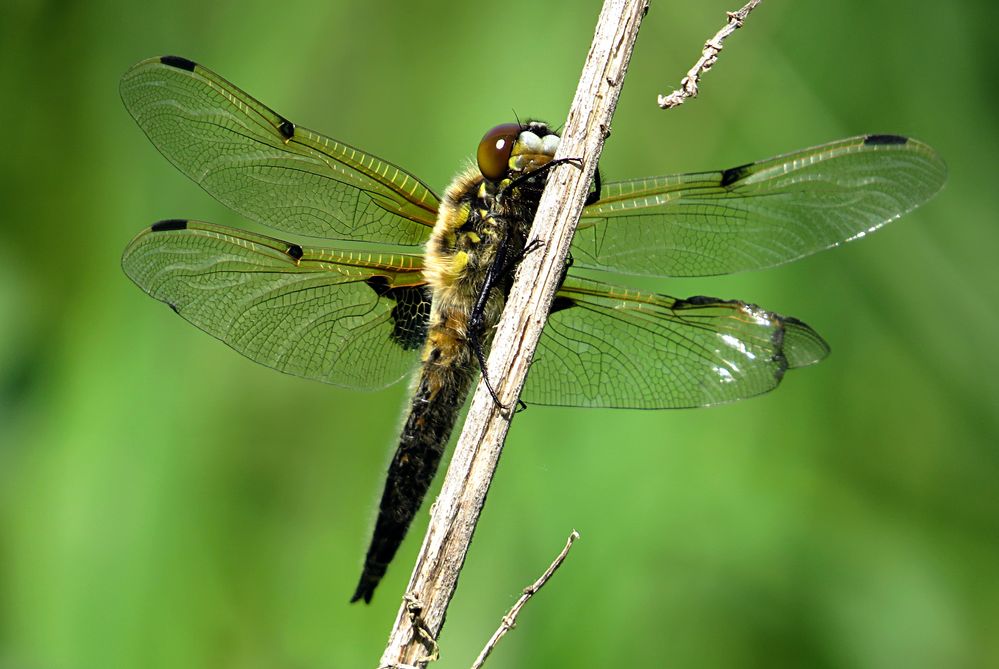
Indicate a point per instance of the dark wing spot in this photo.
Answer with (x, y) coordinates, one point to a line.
(295, 251)
(699, 301)
(733, 174)
(171, 224)
(885, 139)
(411, 313)
(175, 308)
(286, 128)
(561, 304)
(178, 62)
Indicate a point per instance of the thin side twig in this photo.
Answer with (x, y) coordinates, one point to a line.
(510, 619)
(709, 56)
(455, 513)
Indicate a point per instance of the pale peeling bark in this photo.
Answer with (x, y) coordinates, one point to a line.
(456, 511)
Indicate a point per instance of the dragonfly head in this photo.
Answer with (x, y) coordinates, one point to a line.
(512, 149)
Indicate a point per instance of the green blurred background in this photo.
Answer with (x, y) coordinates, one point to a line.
(165, 503)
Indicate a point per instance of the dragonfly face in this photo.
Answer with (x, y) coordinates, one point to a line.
(366, 313)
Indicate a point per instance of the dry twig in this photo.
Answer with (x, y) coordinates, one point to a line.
(709, 56)
(476, 455)
(510, 619)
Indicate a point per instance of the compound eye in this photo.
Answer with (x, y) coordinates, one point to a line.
(495, 149)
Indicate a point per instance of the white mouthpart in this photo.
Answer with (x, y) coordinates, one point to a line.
(530, 141)
(549, 144)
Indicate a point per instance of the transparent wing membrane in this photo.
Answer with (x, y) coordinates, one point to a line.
(606, 346)
(347, 318)
(268, 169)
(359, 318)
(757, 215)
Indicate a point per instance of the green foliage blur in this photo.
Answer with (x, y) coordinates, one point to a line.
(167, 504)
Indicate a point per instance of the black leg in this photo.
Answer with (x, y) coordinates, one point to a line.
(594, 195)
(476, 320)
(500, 270)
(541, 170)
(512, 263)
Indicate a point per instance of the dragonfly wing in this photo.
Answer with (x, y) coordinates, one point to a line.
(606, 346)
(267, 168)
(351, 319)
(757, 215)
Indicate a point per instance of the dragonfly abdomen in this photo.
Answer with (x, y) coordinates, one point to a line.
(459, 253)
(445, 377)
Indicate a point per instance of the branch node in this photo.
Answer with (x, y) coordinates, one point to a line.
(509, 621)
(709, 56)
(420, 630)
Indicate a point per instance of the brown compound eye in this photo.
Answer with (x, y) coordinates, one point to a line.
(495, 148)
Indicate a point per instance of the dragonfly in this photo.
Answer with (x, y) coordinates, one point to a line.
(416, 281)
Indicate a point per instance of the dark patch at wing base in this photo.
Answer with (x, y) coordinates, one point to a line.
(885, 139)
(295, 251)
(169, 224)
(379, 284)
(287, 129)
(179, 62)
(411, 313)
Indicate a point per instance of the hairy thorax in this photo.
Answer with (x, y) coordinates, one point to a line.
(475, 218)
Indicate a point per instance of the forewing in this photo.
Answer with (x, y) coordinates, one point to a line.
(351, 319)
(605, 346)
(757, 215)
(267, 168)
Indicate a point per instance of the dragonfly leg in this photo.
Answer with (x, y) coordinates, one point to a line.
(477, 322)
(527, 176)
(498, 272)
